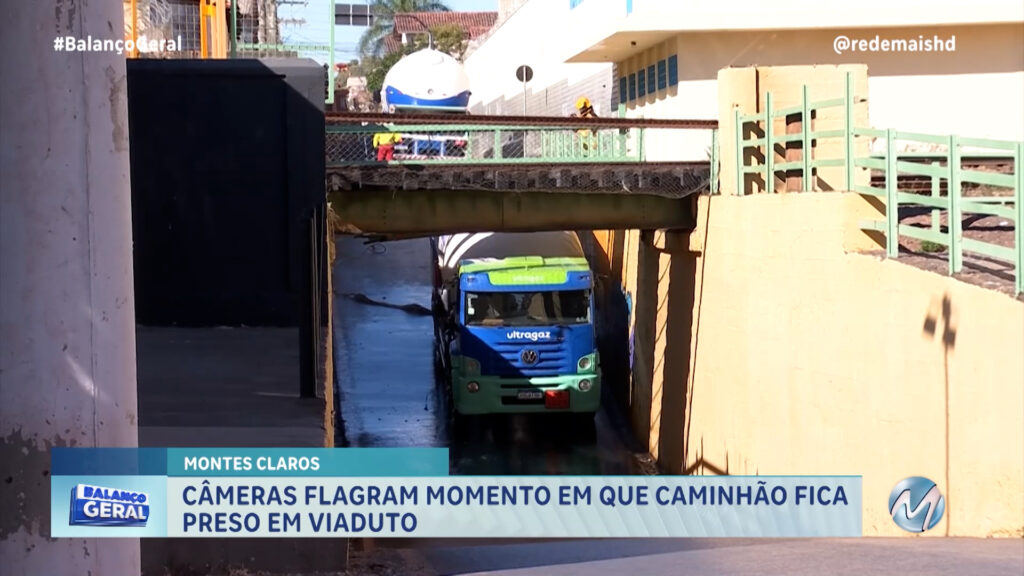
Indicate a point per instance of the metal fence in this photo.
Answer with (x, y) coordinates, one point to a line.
(176, 21)
(932, 198)
(353, 139)
(475, 144)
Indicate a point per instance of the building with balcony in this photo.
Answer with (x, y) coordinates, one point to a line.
(937, 67)
(661, 58)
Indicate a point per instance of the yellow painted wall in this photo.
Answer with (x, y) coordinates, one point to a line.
(777, 350)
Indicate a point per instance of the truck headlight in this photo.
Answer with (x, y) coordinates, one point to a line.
(584, 385)
(471, 366)
(585, 363)
(473, 387)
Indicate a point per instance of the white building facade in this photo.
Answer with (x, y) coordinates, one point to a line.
(661, 58)
(533, 33)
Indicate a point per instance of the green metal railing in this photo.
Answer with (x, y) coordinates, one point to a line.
(952, 166)
(807, 137)
(475, 144)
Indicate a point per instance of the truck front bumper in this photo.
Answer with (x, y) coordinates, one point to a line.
(526, 395)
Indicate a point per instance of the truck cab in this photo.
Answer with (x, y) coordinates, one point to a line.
(515, 334)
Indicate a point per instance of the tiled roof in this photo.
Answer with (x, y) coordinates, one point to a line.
(392, 44)
(475, 23)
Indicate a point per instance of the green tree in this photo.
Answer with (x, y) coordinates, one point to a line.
(372, 41)
(378, 69)
(449, 38)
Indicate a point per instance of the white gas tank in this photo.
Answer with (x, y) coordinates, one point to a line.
(427, 79)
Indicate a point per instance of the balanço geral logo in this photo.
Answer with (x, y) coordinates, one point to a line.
(103, 506)
(916, 504)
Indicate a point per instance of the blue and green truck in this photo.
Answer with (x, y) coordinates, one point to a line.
(514, 323)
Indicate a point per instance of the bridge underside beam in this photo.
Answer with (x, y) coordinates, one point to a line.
(409, 213)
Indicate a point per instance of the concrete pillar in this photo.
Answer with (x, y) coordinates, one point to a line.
(67, 321)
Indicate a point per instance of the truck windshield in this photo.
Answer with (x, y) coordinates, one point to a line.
(527, 308)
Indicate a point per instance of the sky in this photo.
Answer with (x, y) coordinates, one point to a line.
(318, 17)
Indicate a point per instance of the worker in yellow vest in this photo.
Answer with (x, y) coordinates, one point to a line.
(584, 109)
(385, 142)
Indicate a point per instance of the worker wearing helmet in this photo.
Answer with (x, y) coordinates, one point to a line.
(584, 109)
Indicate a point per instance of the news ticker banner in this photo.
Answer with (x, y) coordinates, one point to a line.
(407, 493)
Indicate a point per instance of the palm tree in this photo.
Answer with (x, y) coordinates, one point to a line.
(372, 42)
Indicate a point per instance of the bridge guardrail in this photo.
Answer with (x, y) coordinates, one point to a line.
(955, 187)
(663, 157)
(475, 144)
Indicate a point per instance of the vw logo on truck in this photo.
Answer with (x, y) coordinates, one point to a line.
(529, 356)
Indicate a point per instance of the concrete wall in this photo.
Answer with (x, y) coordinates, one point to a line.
(763, 345)
(530, 36)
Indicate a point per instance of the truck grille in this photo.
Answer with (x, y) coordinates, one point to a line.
(552, 359)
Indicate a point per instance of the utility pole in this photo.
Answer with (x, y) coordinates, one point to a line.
(67, 312)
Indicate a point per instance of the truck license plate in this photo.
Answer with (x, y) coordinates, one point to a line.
(530, 395)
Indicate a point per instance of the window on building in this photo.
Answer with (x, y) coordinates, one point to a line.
(632, 87)
(662, 75)
(651, 86)
(641, 84)
(673, 70)
(622, 89)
